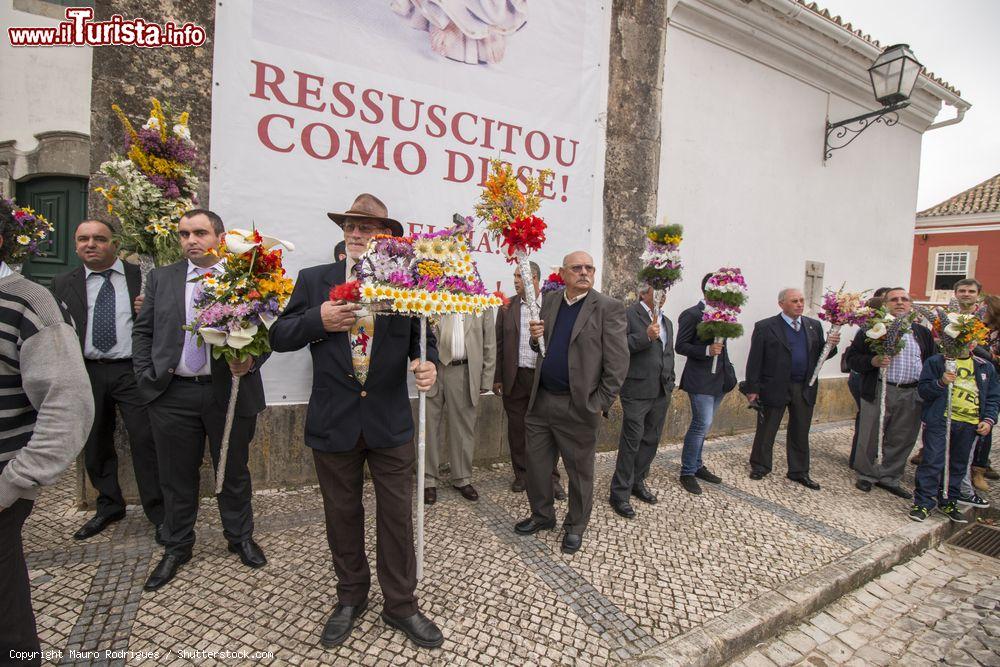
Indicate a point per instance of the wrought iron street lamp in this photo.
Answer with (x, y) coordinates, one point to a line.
(893, 76)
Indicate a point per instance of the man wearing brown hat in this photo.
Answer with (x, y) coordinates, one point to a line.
(359, 412)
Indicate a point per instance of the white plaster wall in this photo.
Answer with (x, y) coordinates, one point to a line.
(742, 170)
(44, 88)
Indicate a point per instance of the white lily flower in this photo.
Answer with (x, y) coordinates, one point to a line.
(240, 339)
(153, 123)
(270, 241)
(953, 330)
(182, 131)
(877, 331)
(213, 336)
(240, 241)
(268, 320)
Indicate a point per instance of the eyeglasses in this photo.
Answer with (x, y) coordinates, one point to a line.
(582, 268)
(362, 227)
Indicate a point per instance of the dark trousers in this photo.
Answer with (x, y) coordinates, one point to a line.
(982, 452)
(854, 386)
(642, 425)
(113, 384)
(341, 479)
(555, 428)
(182, 417)
(515, 404)
(17, 627)
(929, 476)
(796, 434)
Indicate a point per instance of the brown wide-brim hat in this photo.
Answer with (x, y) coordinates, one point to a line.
(368, 207)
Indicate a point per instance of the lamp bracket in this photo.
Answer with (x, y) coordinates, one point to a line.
(842, 133)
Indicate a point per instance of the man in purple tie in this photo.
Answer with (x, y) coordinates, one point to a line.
(187, 393)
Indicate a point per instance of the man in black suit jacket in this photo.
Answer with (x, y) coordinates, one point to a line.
(784, 351)
(705, 389)
(903, 407)
(188, 392)
(359, 412)
(100, 296)
(645, 398)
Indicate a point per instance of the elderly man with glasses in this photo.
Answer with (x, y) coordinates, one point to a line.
(902, 405)
(586, 360)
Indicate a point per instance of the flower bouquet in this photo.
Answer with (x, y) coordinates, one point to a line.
(422, 275)
(509, 215)
(661, 262)
(235, 307)
(725, 294)
(956, 335)
(25, 236)
(885, 332)
(152, 185)
(839, 308)
(552, 283)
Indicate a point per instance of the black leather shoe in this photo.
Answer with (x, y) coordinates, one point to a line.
(571, 543)
(338, 627)
(806, 482)
(863, 485)
(756, 475)
(895, 490)
(517, 486)
(158, 535)
(690, 484)
(430, 496)
(529, 526)
(250, 553)
(165, 571)
(559, 492)
(642, 492)
(623, 509)
(707, 475)
(420, 629)
(96, 525)
(468, 492)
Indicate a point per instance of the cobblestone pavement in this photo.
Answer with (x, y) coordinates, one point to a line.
(942, 607)
(499, 598)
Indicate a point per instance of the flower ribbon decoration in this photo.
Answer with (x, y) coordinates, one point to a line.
(509, 213)
(661, 258)
(552, 283)
(523, 235)
(26, 236)
(725, 294)
(841, 307)
(958, 333)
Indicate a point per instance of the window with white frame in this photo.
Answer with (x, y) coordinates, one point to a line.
(949, 268)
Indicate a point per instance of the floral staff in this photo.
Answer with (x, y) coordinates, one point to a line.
(423, 275)
(152, 185)
(956, 335)
(725, 294)
(661, 263)
(236, 308)
(885, 338)
(510, 217)
(839, 308)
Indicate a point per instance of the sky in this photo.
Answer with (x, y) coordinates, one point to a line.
(957, 41)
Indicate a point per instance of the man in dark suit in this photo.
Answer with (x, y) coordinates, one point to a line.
(585, 363)
(100, 296)
(188, 392)
(784, 351)
(359, 412)
(515, 375)
(903, 407)
(705, 389)
(645, 399)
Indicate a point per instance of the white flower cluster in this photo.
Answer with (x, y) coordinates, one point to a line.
(660, 259)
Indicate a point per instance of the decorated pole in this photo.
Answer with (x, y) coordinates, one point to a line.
(950, 366)
(884, 332)
(421, 454)
(220, 474)
(881, 414)
(534, 307)
(715, 359)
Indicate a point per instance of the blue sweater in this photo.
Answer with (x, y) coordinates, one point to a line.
(800, 351)
(555, 367)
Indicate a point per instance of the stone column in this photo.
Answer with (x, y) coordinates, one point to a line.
(632, 162)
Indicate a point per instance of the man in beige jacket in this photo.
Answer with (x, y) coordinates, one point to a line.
(467, 351)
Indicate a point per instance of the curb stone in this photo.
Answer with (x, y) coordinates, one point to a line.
(728, 636)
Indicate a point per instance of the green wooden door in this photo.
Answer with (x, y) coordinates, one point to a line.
(63, 201)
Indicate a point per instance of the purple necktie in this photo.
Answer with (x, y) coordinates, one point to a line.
(195, 356)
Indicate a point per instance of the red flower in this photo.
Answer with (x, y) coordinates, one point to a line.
(554, 277)
(523, 235)
(503, 297)
(349, 291)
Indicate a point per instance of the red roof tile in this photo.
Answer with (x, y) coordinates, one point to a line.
(983, 198)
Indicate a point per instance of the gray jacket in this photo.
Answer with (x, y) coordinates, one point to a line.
(651, 366)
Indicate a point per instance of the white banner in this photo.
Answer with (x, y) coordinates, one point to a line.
(317, 101)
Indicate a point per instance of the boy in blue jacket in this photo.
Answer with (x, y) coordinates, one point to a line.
(975, 402)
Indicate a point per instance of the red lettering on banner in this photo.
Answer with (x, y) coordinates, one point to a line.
(397, 157)
(307, 141)
(338, 93)
(453, 157)
(377, 147)
(264, 134)
(261, 81)
(306, 92)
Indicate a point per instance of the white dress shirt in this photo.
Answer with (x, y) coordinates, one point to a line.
(663, 323)
(569, 301)
(122, 349)
(5, 270)
(790, 321)
(189, 287)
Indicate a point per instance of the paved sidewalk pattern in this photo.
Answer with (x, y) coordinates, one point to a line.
(942, 607)
(498, 597)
